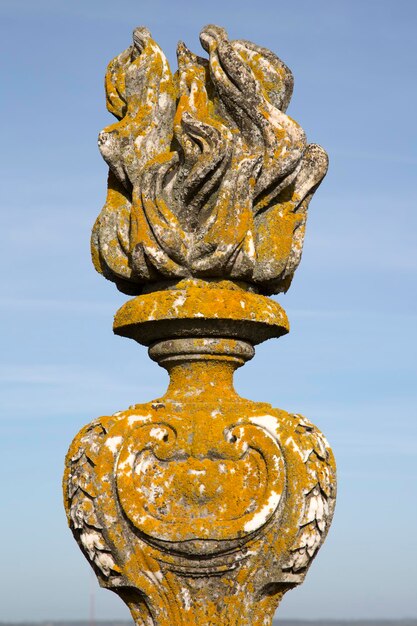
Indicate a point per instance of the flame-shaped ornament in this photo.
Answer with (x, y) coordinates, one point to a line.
(209, 178)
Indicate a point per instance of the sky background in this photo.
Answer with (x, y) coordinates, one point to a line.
(348, 363)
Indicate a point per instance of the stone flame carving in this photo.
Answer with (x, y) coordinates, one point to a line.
(208, 176)
(201, 507)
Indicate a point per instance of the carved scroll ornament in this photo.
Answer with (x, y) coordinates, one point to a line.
(170, 518)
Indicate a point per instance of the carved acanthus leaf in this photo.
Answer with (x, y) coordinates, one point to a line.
(319, 497)
(81, 494)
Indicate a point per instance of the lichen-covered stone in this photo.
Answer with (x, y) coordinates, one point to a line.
(201, 507)
(208, 176)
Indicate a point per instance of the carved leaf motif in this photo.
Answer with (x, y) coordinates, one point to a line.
(319, 497)
(81, 493)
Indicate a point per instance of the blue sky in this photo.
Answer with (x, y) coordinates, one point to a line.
(349, 361)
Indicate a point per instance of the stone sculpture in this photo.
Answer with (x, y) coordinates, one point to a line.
(201, 507)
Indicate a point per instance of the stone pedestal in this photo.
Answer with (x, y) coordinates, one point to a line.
(200, 507)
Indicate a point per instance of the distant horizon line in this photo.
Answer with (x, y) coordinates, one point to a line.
(294, 620)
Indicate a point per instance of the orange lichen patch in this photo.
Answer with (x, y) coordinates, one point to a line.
(154, 223)
(279, 245)
(206, 475)
(196, 304)
(272, 76)
(257, 65)
(136, 103)
(111, 255)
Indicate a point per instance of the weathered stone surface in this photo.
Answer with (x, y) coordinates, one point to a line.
(201, 507)
(199, 312)
(208, 176)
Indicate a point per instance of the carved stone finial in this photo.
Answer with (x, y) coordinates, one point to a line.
(209, 178)
(201, 507)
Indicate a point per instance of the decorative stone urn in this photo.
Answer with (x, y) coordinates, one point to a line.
(201, 507)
